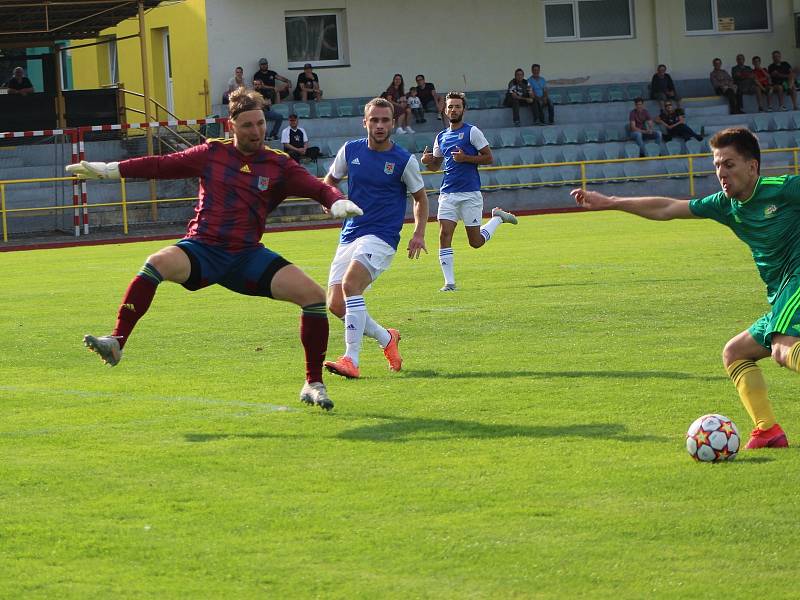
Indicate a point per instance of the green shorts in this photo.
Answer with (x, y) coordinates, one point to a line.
(783, 318)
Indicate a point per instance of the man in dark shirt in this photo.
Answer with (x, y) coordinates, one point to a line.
(783, 79)
(662, 88)
(307, 85)
(745, 79)
(241, 182)
(295, 141)
(19, 84)
(519, 92)
(426, 92)
(269, 83)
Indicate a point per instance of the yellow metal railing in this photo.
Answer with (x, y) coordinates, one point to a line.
(691, 173)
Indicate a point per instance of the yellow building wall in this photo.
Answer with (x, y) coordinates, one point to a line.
(186, 23)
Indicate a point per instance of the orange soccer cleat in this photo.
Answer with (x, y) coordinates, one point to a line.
(774, 437)
(343, 366)
(392, 350)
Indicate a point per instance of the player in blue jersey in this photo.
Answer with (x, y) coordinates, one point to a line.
(380, 174)
(461, 147)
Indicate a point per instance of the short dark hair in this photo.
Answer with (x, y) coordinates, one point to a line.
(756, 57)
(659, 66)
(716, 59)
(740, 139)
(241, 100)
(419, 76)
(293, 116)
(637, 99)
(535, 66)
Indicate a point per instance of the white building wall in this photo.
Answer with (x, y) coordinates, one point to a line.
(475, 45)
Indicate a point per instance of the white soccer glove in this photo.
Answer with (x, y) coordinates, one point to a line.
(341, 209)
(94, 170)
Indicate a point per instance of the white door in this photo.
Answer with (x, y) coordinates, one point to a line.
(168, 71)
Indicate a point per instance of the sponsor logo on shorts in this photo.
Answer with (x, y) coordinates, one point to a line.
(388, 168)
(351, 326)
(263, 183)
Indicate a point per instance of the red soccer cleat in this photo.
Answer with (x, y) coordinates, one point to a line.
(343, 366)
(774, 437)
(392, 351)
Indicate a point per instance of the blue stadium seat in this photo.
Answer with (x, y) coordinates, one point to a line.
(594, 152)
(324, 109)
(595, 94)
(616, 133)
(345, 108)
(635, 91)
(615, 172)
(492, 100)
(556, 97)
(762, 123)
(572, 134)
(615, 93)
(631, 150)
(301, 109)
(551, 176)
(575, 96)
(784, 139)
(323, 165)
(531, 137)
(675, 147)
(473, 101)
(551, 135)
(595, 173)
(572, 154)
(570, 174)
(652, 149)
(593, 133)
(613, 150)
(422, 140)
(433, 181)
(530, 156)
(406, 141)
(784, 121)
(529, 177)
(551, 154)
(677, 167)
(506, 178)
(509, 137)
(695, 147)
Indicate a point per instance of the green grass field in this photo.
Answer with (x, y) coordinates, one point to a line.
(533, 445)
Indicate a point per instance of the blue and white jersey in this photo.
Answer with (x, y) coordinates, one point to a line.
(378, 183)
(459, 177)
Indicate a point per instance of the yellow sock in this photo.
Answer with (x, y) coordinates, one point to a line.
(793, 362)
(752, 388)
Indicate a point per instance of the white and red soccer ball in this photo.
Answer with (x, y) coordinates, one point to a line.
(712, 438)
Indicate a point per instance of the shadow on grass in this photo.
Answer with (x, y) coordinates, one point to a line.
(399, 429)
(426, 373)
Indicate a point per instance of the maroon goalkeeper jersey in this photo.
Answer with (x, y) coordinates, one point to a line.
(237, 191)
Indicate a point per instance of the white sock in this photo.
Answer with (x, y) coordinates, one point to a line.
(355, 317)
(446, 260)
(376, 331)
(487, 231)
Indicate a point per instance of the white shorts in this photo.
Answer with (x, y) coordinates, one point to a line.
(370, 250)
(461, 206)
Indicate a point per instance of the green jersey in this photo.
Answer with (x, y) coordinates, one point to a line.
(768, 222)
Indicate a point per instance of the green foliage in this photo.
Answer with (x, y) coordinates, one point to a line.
(533, 445)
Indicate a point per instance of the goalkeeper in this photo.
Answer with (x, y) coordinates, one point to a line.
(241, 182)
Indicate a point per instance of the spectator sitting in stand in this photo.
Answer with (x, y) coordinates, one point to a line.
(662, 88)
(763, 81)
(271, 85)
(673, 121)
(745, 79)
(415, 105)
(723, 85)
(295, 141)
(540, 96)
(234, 83)
(307, 85)
(269, 114)
(519, 92)
(641, 125)
(782, 77)
(19, 84)
(430, 100)
(396, 94)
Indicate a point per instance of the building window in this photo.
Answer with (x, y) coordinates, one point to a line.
(113, 65)
(316, 37)
(727, 16)
(587, 19)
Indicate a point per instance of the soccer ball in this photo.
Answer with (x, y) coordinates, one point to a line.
(712, 438)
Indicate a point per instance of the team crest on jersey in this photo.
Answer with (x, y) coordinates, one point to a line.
(770, 210)
(461, 135)
(388, 168)
(263, 183)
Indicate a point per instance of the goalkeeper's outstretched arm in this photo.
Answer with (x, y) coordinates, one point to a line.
(656, 208)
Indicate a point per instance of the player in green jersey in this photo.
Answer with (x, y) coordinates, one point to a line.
(763, 212)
